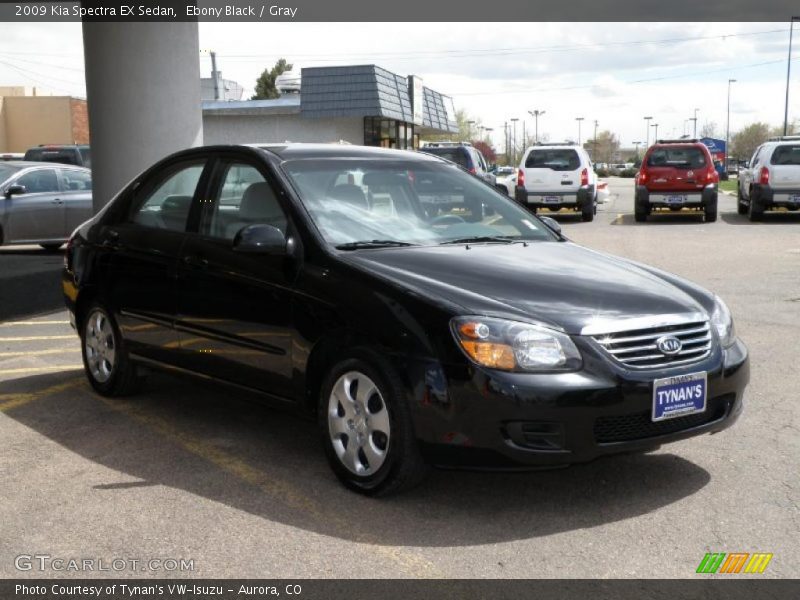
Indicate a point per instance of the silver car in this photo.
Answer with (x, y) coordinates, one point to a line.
(42, 203)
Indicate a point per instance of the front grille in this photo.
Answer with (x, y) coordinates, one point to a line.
(637, 349)
(640, 426)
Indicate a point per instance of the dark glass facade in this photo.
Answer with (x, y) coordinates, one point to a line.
(389, 133)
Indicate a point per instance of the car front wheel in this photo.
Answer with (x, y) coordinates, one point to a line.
(105, 358)
(366, 428)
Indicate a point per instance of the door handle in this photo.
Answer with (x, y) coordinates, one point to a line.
(191, 260)
(57, 201)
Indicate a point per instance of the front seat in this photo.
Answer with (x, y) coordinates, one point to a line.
(259, 206)
(350, 194)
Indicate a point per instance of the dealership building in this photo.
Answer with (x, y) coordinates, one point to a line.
(363, 104)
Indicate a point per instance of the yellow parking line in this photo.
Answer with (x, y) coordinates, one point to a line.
(9, 401)
(39, 352)
(38, 338)
(288, 493)
(39, 369)
(14, 323)
(617, 220)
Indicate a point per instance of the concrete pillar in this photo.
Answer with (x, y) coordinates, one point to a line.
(143, 91)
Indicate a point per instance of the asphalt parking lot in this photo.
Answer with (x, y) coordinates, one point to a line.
(188, 471)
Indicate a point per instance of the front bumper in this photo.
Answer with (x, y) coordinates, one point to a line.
(508, 421)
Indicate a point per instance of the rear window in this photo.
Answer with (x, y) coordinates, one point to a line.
(786, 155)
(456, 155)
(557, 160)
(66, 156)
(86, 155)
(681, 157)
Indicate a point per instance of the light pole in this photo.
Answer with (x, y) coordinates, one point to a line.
(535, 114)
(694, 118)
(788, 74)
(514, 141)
(647, 129)
(579, 119)
(728, 126)
(655, 137)
(594, 144)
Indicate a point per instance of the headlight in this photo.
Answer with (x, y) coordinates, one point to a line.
(723, 322)
(514, 346)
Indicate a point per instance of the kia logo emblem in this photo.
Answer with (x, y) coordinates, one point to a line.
(669, 345)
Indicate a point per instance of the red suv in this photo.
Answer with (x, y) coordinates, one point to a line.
(677, 174)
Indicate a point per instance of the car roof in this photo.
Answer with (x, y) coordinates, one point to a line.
(27, 164)
(299, 150)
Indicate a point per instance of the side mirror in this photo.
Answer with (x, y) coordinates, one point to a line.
(260, 239)
(552, 224)
(15, 189)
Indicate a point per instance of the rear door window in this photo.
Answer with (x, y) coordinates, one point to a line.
(167, 203)
(786, 155)
(686, 157)
(557, 160)
(76, 181)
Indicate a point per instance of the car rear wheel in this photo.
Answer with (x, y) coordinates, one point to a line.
(710, 210)
(640, 210)
(588, 211)
(754, 211)
(105, 358)
(366, 427)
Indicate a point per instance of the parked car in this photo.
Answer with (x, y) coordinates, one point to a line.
(463, 154)
(506, 178)
(772, 178)
(12, 156)
(603, 193)
(675, 175)
(557, 176)
(69, 154)
(42, 203)
(416, 338)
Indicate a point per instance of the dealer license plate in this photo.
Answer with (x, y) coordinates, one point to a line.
(676, 199)
(551, 199)
(679, 396)
(794, 198)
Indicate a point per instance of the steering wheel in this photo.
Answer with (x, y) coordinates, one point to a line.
(447, 220)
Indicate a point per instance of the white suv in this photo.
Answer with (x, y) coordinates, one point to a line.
(557, 176)
(772, 178)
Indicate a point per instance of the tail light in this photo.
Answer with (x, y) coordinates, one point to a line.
(584, 177)
(521, 178)
(642, 176)
(472, 170)
(763, 176)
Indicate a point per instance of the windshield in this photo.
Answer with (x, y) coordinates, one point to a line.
(557, 160)
(786, 155)
(457, 155)
(685, 157)
(384, 202)
(6, 171)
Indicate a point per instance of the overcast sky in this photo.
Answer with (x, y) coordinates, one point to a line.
(615, 73)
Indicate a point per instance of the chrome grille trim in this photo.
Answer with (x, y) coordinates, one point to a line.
(639, 350)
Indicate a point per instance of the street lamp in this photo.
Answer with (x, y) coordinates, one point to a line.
(535, 114)
(655, 137)
(579, 119)
(647, 129)
(694, 118)
(728, 126)
(514, 142)
(788, 74)
(594, 153)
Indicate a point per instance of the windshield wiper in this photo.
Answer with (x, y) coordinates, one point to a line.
(372, 244)
(501, 239)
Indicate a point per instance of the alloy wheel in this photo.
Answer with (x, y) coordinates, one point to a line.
(100, 346)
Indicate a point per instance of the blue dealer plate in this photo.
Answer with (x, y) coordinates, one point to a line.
(679, 396)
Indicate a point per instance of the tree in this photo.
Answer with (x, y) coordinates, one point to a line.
(603, 148)
(466, 130)
(485, 149)
(745, 141)
(265, 84)
(709, 130)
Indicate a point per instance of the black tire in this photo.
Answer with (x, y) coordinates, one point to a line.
(51, 247)
(588, 211)
(741, 207)
(754, 211)
(402, 467)
(640, 210)
(710, 211)
(122, 377)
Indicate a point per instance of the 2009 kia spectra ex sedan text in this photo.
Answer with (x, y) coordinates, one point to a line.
(423, 316)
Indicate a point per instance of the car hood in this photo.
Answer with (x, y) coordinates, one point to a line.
(559, 284)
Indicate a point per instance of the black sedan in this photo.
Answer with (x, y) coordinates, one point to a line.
(422, 316)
